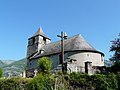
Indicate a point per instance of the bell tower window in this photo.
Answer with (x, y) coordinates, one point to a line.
(29, 43)
(33, 40)
(44, 40)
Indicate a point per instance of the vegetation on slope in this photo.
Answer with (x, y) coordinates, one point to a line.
(15, 68)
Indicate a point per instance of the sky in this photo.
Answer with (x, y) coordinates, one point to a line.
(98, 21)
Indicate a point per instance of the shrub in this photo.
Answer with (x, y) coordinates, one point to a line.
(78, 80)
(112, 81)
(10, 84)
(40, 82)
(99, 82)
(44, 64)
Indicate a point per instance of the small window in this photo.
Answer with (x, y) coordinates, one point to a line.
(33, 41)
(36, 39)
(30, 64)
(44, 39)
(88, 55)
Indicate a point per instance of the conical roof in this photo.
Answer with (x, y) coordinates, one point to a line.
(40, 32)
(77, 42)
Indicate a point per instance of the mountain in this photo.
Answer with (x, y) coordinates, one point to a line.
(5, 62)
(8, 61)
(2, 64)
(13, 68)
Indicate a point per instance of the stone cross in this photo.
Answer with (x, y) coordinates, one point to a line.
(35, 71)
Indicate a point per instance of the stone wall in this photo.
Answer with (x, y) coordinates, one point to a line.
(32, 64)
(76, 65)
(82, 57)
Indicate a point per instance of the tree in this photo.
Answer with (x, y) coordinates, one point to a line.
(1, 72)
(115, 68)
(116, 49)
(44, 64)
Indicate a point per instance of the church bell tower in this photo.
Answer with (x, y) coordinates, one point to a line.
(36, 42)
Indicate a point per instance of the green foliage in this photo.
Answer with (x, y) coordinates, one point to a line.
(96, 81)
(15, 68)
(61, 81)
(80, 81)
(116, 49)
(116, 67)
(40, 82)
(112, 81)
(11, 83)
(99, 82)
(59, 72)
(44, 64)
(118, 79)
(74, 81)
(1, 72)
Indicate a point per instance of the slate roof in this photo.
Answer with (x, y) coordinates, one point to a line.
(74, 43)
(40, 32)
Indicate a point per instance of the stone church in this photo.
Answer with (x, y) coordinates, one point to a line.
(77, 53)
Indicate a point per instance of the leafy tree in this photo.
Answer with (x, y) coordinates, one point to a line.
(116, 49)
(1, 72)
(44, 64)
(115, 68)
